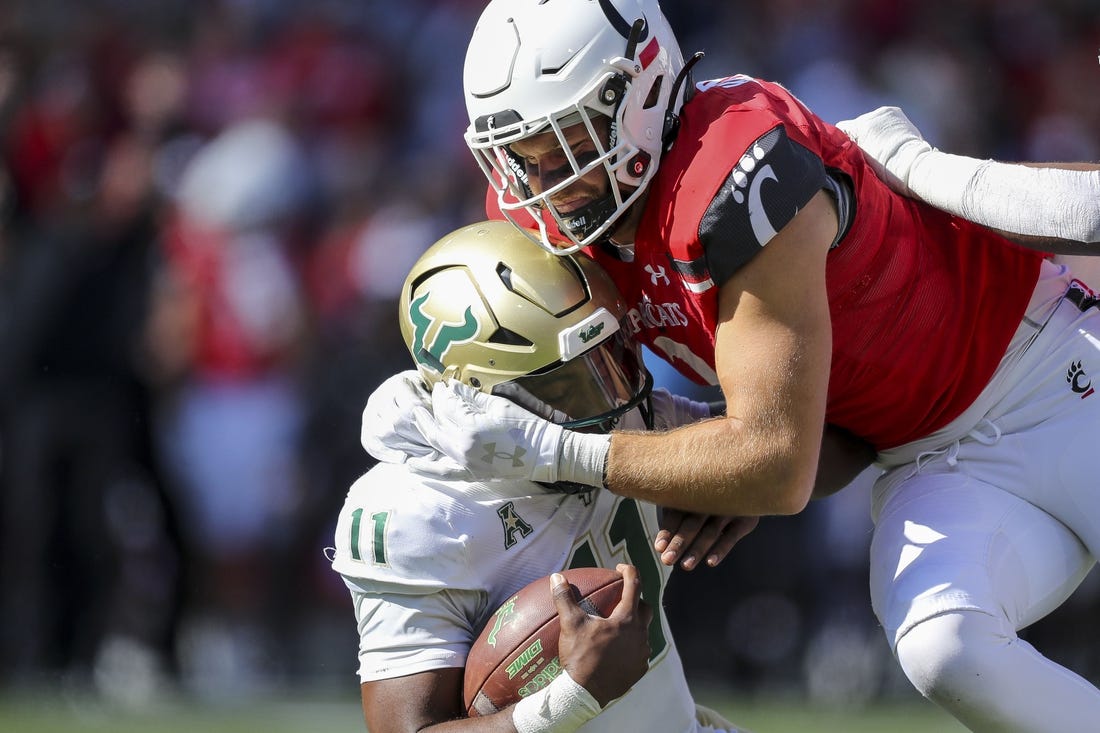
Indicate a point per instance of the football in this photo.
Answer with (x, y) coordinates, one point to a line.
(516, 653)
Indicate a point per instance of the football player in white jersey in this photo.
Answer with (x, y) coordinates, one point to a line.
(427, 561)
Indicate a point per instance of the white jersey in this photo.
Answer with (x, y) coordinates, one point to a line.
(428, 561)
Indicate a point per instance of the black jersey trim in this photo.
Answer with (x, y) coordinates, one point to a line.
(774, 179)
(839, 184)
(690, 268)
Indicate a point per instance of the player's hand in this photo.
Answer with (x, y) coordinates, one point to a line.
(605, 656)
(687, 537)
(892, 143)
(389, 432)
(484, 437)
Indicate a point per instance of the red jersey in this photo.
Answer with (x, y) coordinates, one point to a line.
(923, 304)
(245, 295)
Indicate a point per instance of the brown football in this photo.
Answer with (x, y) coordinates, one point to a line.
(517, 651)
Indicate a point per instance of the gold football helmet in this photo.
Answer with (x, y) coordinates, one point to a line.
(487, 306)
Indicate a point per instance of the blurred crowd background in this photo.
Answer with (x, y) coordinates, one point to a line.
(206, 210)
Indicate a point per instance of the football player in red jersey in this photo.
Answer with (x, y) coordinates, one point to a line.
(759, 250)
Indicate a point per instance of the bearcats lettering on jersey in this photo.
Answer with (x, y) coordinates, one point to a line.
(922, 309)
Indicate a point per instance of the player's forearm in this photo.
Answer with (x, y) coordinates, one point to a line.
(1043, 202)
(1052, 201)
(426, 702)
(715, 466)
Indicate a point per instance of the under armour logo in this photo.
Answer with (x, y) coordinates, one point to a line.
(1075, 375)
(658, 274)
(491, 454)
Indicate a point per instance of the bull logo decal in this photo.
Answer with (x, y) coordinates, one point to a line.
(449, 333)
(591, 332)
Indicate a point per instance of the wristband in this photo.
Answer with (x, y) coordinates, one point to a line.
(563, 706)
(583, 458)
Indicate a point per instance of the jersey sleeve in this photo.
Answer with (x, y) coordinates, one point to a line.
(403, 634)
(398, 551)
(392, 534)
(770, 183)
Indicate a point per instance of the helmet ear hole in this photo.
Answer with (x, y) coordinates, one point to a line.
(654, 93)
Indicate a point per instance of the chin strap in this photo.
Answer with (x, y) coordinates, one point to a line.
(672, 119)
(591, 217)
(646, 408)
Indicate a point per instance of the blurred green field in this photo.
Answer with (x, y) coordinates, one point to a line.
(69, 714)
(778, 715)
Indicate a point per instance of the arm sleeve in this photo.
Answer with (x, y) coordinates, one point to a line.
(1038, 201)
(1042, 202)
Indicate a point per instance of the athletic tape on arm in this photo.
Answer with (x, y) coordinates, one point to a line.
(563, 706)
(1043, 202)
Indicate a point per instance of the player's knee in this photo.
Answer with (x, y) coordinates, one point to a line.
(951, 657)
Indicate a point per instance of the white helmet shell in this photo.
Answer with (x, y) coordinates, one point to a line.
(534, 66)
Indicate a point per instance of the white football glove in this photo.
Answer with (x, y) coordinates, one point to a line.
(485, 437)
(892, 143)
(389, 432)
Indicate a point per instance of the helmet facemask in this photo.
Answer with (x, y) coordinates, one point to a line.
(624, 75)
(609, 152)
(591, 391)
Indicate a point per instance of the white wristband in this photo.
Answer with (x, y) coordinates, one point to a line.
(583, 457)
(563, 706)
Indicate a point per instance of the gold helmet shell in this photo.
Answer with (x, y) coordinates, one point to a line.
(487, 306)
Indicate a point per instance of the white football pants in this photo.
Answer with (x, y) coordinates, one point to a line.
(984, 535)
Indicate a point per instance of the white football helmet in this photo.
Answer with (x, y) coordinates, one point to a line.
(485, 306)
(534, 67)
